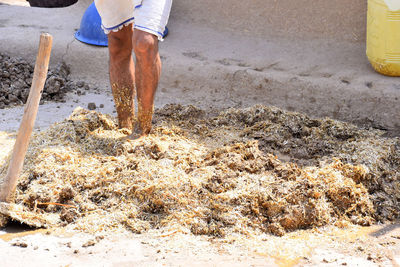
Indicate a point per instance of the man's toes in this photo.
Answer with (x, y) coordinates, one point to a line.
(125, 124)
(133, 136)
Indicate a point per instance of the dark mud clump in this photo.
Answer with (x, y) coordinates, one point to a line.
(16, 78)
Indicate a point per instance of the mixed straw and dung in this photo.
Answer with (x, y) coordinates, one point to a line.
(211, 173)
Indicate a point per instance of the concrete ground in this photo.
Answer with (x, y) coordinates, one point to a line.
(209, 67)
(329, 246)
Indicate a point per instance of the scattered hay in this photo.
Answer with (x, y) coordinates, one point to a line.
(3, 220)
(211, 173)
(23, 215)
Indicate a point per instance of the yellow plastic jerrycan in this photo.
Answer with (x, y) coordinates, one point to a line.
(383, 36)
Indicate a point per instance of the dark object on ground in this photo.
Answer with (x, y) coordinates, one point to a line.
(20, 244)
(91, 106)
(51, 3)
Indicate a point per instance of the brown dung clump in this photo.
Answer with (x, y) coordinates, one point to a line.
(211, 173)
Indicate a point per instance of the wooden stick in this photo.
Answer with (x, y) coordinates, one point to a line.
(9, 184)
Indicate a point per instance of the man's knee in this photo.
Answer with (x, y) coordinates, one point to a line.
(120, 43)
(145, 44)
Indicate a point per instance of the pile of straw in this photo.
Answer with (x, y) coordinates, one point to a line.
(211, 173)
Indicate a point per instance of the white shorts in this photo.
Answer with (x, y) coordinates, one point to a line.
(146, 15)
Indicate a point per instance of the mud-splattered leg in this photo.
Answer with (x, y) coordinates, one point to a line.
(147, 75)
(122, 75)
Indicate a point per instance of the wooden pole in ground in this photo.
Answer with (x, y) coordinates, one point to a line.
(9, 184)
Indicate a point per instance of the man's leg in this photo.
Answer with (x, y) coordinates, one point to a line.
(147, 75)
(122, 75)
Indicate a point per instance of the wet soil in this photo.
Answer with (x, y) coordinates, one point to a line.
(16, 78)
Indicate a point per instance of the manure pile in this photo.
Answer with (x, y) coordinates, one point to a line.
(211, 173)
(16, 79)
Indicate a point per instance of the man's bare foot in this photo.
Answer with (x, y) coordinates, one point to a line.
(124, 103)
(145, 119)
(137, 133)
(127, 124)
